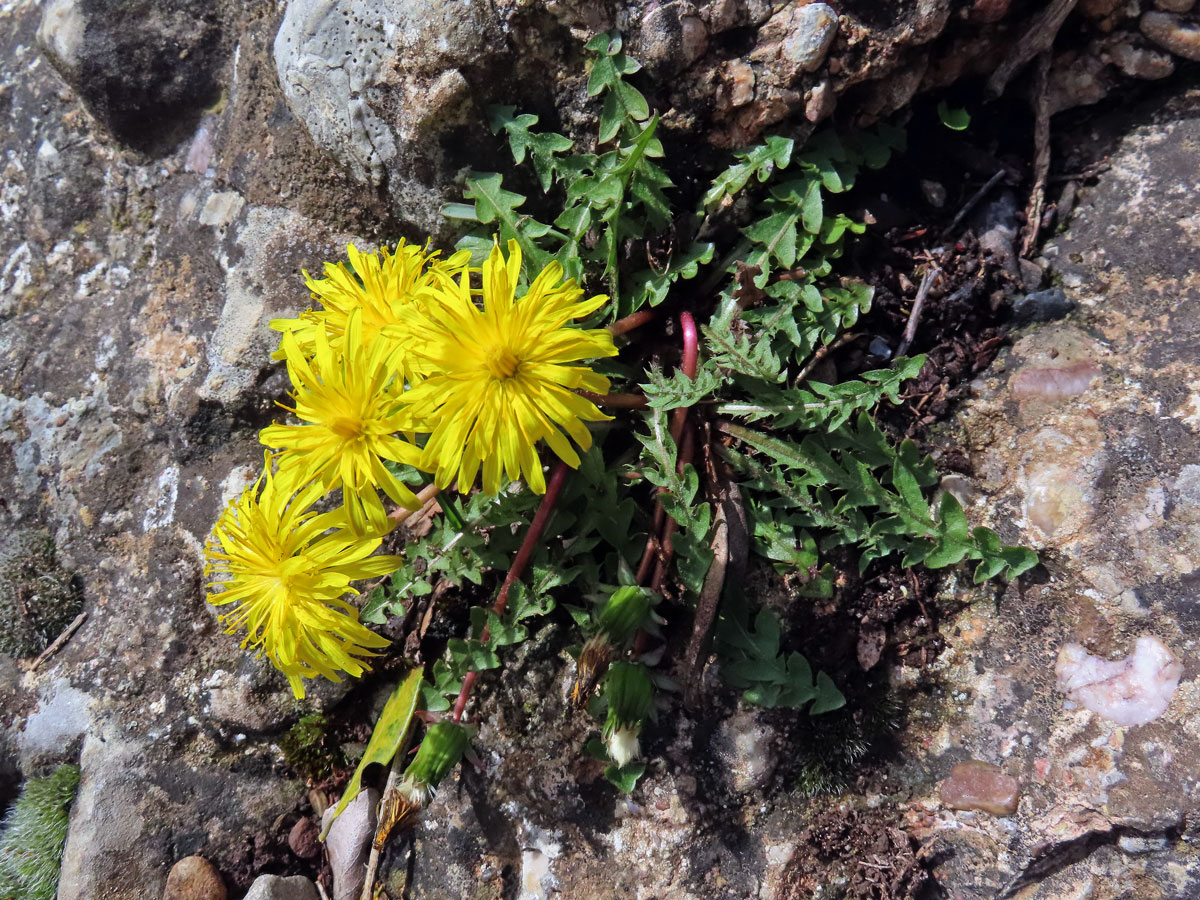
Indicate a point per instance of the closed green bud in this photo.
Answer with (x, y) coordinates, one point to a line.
(630, 696)
(624, 614)
(440, 752)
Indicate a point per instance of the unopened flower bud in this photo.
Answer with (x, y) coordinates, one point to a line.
(440, 752)
(630, 697)
(590, 668)
(624, 614)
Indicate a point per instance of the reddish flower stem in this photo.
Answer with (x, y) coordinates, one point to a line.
(553, 488)
(616, 401)
(658, 541)
(630, 322)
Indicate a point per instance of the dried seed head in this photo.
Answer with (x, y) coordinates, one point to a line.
(590, 668)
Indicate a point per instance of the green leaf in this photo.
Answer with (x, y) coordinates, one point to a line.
(625, 778)
(953, 118)
(828, 697)
(495, 205)
(388, 736)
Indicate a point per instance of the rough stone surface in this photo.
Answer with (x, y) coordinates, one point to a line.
(144, 68)
(194, 878)
(273, 887)
(1094, 468)
(135, 371)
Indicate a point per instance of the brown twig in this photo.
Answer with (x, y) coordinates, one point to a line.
(824, 351)
(534, 534)
(1041, 157)
(910, 330)
(973, 201)
(1038, 38)
(59, 641)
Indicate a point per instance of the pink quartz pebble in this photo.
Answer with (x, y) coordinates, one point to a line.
(979, 786)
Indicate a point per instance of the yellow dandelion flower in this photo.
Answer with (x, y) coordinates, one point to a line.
(380, 284)
(285, 569)
(349, 404)
(500, 375)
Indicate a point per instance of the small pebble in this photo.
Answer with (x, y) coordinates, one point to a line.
(273, 887)
(304, 839)
(982, 787)
(194, 878)
(1042, 306)
(1172, 33)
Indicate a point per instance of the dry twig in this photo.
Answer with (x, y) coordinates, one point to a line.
(1038, 38)
(59, 641)
(1041, 157)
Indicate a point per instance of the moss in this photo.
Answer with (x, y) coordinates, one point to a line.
(309, 748)
(831, 749)
(38, 598)
(34, 830)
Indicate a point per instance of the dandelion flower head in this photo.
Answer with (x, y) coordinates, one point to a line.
(348, 405)
(285, 569)
(380, 284)
(501, 374)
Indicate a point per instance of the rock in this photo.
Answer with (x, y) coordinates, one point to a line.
(811, 31)
(146, 69)
(1131, 55)
(748, 749)
(1172, 33)
(340, 70)
(981, 786)
(670, 38)
(1054, 382)
(1041, 306)
(1130, 691)
(349, 843)
(996, 225)
(821, 102)
(304, 839)
(274, 887)
(1175, 6)
(194, 878)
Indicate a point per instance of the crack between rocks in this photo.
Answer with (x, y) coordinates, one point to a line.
(1060, 856)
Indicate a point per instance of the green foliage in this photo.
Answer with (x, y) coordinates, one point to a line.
(814, 471)
(38, 598)
(34, 830)
(752, 661)
(955, 119)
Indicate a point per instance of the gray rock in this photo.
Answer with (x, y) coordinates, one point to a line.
(1175, 6)
(145, 68)
(812, 30)
(1042, 306)
(671, 37)
(1172, 33)
(378, 84)
(349, 844)
(273, 887)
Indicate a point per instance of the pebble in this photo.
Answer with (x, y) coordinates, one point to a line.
(1042, 306)
(814, 27)
(1175, 6)
(304, 839)
(274, 887)
(194, 878)
(1172, 33)
(981, 787)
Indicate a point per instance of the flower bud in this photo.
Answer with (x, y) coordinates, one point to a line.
(624, 614)
(440, 752)
(630, 697)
